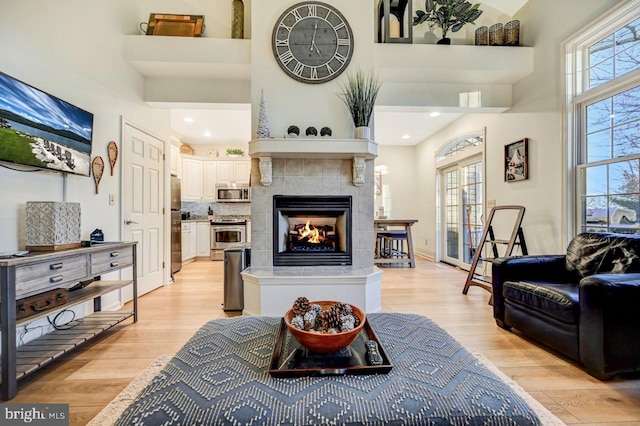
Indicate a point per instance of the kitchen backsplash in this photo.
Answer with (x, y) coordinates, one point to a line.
(201, 210)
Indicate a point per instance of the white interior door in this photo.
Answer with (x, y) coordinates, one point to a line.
(143, 203)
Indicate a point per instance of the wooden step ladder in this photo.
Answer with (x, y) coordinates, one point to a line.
(488, 237)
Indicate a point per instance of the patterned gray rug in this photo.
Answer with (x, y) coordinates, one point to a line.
(220, 377)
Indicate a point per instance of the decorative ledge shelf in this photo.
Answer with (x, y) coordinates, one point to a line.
(189, 57)
(230, 59)
(431, 63)
(319, 147)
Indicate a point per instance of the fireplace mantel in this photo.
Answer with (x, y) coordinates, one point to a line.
(317, 147)
(358, 150)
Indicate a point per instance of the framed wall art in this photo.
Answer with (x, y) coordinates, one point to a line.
(377, 183)
(516, 161)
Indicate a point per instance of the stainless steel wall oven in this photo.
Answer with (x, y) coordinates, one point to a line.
(226, 233)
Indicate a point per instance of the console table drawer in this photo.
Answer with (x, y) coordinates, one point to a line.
(40, 277)
(111, 260)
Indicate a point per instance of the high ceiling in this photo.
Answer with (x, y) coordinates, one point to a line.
(230, 124)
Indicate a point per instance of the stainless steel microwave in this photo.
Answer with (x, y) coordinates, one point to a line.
(233, 193)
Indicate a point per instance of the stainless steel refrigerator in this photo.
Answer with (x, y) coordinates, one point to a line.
(176, 225)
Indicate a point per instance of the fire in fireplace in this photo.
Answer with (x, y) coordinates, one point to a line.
(311, 230)
(312, 237)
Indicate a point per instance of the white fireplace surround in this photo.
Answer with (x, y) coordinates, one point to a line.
(311, 166)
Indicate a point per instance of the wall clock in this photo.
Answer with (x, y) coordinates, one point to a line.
(312, 42)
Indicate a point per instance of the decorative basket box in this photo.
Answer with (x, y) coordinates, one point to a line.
(52, 225)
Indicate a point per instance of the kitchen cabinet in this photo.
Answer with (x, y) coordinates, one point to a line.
(188, 241)
(192, 182)
(233, 171)
(175, 161)
(209, 176)
(203, 233)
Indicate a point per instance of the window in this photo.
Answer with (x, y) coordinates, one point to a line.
(604, 109)
(459, 145)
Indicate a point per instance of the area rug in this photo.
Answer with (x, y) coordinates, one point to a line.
(220, 377)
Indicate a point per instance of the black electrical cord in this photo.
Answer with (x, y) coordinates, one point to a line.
(67, 325)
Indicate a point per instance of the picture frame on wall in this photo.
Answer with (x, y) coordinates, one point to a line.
(377, 183)
(516, 161)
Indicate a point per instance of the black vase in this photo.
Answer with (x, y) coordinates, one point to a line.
(445, 40)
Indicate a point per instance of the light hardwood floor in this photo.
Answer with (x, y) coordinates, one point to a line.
(92, 376)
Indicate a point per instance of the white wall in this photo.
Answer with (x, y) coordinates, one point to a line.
(72, 49)
(398, 181)
(291, 102)
(537, 114)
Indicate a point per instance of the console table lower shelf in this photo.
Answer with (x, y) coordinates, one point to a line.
(38, 353)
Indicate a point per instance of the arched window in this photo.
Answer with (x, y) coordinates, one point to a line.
(460, 144)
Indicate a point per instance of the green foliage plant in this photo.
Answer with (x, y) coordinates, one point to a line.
(311, 131)
(325, 131)
(449, 15)
(359, 94)
(235, 151)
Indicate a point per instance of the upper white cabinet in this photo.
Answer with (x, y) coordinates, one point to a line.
(192, 182)
(199, 177)
(209, 180)
(233, 171)
(175, 162)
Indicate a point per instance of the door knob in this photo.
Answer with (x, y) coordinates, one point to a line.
(129, 222)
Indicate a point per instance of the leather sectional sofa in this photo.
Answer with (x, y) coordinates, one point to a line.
(584, 304)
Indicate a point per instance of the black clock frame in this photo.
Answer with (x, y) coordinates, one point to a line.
(334, 34)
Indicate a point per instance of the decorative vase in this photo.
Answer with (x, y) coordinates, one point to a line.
(237, 25)
(445, 40)
(362, 132)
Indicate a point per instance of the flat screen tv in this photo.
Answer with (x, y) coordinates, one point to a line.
(38, 129)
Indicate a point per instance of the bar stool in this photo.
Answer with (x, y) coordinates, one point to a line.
(393, 244)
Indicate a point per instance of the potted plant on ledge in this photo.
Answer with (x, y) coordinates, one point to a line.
(235, 152)
(449, 15)
(359, 94)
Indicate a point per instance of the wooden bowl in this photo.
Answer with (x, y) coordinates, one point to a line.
(325, 343)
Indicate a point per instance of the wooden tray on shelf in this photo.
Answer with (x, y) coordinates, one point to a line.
(290, 359)
(175, 25)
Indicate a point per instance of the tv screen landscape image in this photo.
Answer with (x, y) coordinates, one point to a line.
(38, 129)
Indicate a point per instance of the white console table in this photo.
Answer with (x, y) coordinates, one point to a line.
(38, 272)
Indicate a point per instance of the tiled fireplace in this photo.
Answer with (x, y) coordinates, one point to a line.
(297, 189)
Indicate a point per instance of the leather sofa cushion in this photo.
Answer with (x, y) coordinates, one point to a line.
(622, 256)
(586, 252)
(560, 301)
(603, 253)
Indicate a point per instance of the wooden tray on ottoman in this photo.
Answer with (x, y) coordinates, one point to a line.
(290, 359)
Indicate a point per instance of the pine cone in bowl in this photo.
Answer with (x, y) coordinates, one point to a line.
(326, 342)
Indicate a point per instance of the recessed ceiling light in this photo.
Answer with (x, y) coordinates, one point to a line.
(434, 114)
(207, 134)
(188, 119)
(406, 136)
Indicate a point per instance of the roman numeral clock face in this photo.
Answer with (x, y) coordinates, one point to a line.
(312, 42)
